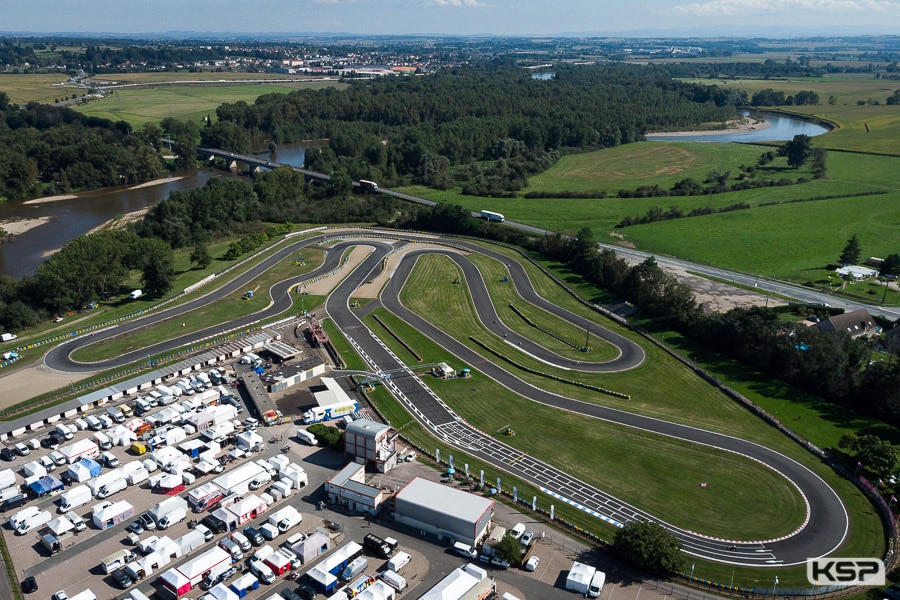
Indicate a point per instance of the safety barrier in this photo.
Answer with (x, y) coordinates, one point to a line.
(550, 375)
(397, 337)
(541, 329)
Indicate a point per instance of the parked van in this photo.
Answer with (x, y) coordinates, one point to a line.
(113, 487)
(115, 414)
(176, 515)
(39, 520)
(355, 568)
(21, 449)
(596, 585)
(74, 497)
(394, 580)
(138, 448)
(103, 440)
(398, 561)
(107, 422)
(126, 410)
(260, 480)
(116, 560)
(64, 430)
(137, 476)
(58, 457)
(23, 515)
(142, 405)
(93, 422)
(306, 437)
(262, 571)
(241, 540)
(109, 459)
(9, 492)
(80, 424)
(13, 502)
(465, 550)
(232, 548)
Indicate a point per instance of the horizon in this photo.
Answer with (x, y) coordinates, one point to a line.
(773, 19)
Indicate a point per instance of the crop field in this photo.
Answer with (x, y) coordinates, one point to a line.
(163, 77)
(151, 105)
(23, 89)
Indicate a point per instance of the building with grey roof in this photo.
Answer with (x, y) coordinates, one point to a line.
(443, 511)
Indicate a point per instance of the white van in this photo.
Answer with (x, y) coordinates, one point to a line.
(394, 580)
(23, 515)
(113, 487)
(143, 405)
(176, 515)
(109, 459)
(465, 550)
(262, 571)
(305, 436)
(398, 561)
(64, 430)
(93, 422)
(39, 520)
(103, 440)
(596, 585)
(74, 497)
(115, 414)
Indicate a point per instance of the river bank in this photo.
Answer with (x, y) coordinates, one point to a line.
(20, 226)
(744, 125)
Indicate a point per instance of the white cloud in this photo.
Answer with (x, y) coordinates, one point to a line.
(458, 3)
(750, 7)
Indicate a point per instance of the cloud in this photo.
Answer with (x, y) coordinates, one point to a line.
(458, 3)
(748, 7)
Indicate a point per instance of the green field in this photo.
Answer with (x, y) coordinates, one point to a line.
(194, 102)
(23, 89)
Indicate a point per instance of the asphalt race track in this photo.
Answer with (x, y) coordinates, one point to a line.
(824, 530)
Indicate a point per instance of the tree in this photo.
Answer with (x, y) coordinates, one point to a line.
(850, 253)
(509, 549)
(158, 272)
(200, 255)
(650, 547)
(877, 455)
(797, 150)
(890, 265)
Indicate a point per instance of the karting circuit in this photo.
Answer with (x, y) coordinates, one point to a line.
(821, 532)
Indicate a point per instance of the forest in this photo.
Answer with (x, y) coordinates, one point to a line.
(402, 130)
(51, 150)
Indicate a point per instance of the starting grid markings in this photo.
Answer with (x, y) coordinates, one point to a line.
(589, 511)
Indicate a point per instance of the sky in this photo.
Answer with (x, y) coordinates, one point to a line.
(768, 18)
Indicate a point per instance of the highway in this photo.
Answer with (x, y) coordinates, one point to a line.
(827, 522)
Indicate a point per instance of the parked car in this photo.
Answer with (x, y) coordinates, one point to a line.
(122, 579)
(147, 522)
(499, 563)
(7, 454)
(527, 538)
(29, 585)
(135, 527)
(255, 537)
(60, 595)
(532, 563)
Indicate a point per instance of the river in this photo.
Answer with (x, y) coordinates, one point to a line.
(69, 218)
(781, 128)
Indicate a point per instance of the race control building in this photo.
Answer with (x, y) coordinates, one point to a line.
(443, 511)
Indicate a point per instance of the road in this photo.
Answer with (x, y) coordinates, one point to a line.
(827, 523)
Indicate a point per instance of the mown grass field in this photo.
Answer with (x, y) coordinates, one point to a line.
(23, 89)
(193, 102)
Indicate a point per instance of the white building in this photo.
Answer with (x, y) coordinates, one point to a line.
(443, 511)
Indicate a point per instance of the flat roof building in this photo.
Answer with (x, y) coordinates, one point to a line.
(348, 488)
(443, 511)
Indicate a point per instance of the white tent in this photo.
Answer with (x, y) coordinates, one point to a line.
(249, 440)
(122, 436)
(60, 526)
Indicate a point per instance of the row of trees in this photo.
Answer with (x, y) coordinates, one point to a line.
(52, 150)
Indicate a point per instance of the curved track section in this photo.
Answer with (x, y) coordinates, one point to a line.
(824, 530)
(827, 524)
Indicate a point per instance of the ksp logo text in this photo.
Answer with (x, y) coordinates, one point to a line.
(845, 571)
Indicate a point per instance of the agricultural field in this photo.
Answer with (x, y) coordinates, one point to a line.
(194, 102)
(23, 89)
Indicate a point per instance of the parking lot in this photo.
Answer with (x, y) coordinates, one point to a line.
(77, 566)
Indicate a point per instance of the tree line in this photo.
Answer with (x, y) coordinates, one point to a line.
(441, 129)
(50, 150)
